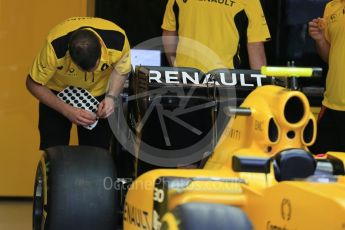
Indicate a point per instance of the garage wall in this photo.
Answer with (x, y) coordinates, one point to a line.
(23, 27)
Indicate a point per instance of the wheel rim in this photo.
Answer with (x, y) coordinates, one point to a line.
(38, 199)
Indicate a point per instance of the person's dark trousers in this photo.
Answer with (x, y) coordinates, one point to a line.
(330, 132)
(55, 130)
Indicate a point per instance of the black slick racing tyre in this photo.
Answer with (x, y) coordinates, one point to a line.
(74, 190)
(205, 216)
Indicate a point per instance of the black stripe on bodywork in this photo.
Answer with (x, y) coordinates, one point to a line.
(112, 40)
(241, 22)
(176, 10)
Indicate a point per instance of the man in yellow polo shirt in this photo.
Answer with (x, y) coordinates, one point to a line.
(329, 35)
(205, 34)
(85, 52)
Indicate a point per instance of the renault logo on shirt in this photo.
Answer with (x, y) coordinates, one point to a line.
(104, 66)
(72, 72)
(333, 17)
(225, 2)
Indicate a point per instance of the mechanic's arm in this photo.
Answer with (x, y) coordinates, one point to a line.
(47, 97)
(316, 31)
(256, 55)
(116, 83)
(170, 41)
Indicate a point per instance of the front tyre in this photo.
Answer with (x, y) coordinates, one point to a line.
(74, 189)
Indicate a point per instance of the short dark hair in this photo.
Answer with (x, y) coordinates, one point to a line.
(84, 48)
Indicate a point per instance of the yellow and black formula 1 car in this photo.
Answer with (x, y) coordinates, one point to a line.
(259, 175)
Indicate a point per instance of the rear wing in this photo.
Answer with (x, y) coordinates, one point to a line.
(243, 81)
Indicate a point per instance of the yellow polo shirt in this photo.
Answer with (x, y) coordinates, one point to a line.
(54, 68)
(334, 16)
(209, 31)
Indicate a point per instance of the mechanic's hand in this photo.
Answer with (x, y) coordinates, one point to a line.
(106, 107)
(80, 116)
(316, 29)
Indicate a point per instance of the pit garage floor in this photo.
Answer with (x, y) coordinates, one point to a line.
(15, 214)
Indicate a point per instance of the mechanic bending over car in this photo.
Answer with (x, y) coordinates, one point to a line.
(218, 25)
(90, 53)
(329, 35)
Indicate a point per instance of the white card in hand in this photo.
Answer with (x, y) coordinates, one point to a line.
(80, 98)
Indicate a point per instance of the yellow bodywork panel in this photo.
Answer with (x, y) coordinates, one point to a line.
(279, 120)
(250, 135)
